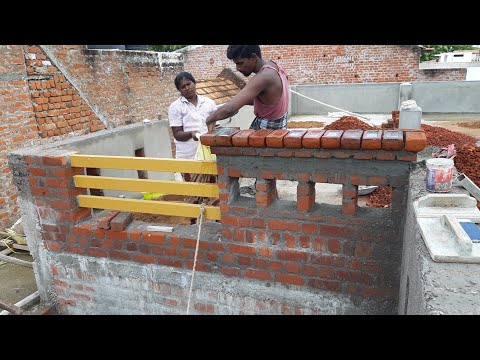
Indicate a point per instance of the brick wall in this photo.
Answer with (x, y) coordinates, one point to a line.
(50, 93)
(442, 75)
(18, 128)
(123, 86)
(324, 64)
(59, 109)
(302, 249)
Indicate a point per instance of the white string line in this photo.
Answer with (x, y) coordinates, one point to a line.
(200, 218)
(337, 108)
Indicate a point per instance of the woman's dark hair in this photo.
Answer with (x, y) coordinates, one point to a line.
(243, 51)
(181, 76)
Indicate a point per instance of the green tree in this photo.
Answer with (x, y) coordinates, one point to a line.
(438, 49)
(165, 48)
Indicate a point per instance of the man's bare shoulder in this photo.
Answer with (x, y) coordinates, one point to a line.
(266, 76)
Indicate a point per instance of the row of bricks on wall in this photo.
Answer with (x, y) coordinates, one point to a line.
(335, 265)
(391, 140)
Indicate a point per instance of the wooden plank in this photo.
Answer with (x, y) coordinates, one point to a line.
(144, 163)
(10, 308)
(12, 244)
(20, 247)
(148, 206)
(16, 261)
(25, 302)
(143, 185)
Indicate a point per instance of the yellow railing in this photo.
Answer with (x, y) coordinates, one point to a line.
(145, 185)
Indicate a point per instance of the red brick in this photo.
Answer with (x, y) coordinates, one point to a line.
(154, 238)
(363, 156)
(121, 221)
(392, 140)
(331, 139)
(230, 151)
(241, 249)
(275, 138)
(247, 152)
(385, 156)
(407, 157)
(351, 139)
(285, 153)
(257, 274)
(312, 139)
(372, 140)
(275, 224)
(241, 138)
(104, 218)
(349, 208)
(289, 279)
(294, 139)
(264, 199)
(223, 136)
(208, 139)
(291, 255)
(415, 141)
(257, 139)
(54, 160)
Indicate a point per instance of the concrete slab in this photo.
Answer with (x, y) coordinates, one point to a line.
(438, 218)
(447, 244)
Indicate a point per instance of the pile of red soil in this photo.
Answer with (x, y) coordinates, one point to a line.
(438, 136)
(349, 123)
(381, 197)
(467, 160)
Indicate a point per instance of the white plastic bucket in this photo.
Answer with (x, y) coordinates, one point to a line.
(439, 175)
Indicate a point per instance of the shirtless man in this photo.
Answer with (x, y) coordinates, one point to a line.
(267, 91)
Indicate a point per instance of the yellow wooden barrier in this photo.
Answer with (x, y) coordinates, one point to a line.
(146, 185)
(148, 206)
(143, 185)
(144, 163)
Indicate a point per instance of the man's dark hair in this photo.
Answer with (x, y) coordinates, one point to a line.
(243, 51)
(182, 75)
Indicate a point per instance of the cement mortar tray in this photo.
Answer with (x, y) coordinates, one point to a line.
(438, 217)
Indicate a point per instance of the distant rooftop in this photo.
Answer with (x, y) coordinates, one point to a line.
(222, 88)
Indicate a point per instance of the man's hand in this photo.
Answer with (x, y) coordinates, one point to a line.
(194, 136)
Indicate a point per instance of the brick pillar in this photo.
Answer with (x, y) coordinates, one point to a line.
(305, 195)
(266, 191)
(349, 199)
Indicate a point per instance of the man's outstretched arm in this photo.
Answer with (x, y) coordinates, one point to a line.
(244, 97)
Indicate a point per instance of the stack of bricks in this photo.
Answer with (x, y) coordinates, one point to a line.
(396, 118)
(392, 123)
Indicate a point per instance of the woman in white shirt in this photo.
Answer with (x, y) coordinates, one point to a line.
(187, 115)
